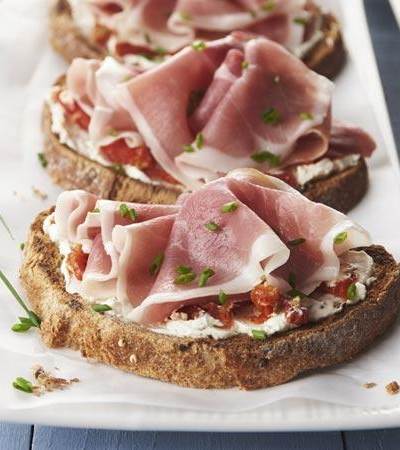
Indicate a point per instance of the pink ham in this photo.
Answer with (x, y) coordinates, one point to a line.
(347, 138)
(252, 242)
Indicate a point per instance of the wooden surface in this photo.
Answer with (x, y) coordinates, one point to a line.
(386, 39)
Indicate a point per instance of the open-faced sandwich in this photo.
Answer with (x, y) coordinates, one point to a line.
(137, 134)
(151, 29)
(244, 282)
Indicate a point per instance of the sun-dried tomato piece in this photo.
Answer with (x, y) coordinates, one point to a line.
(77, 261)
(118, 152)
(75, 114)
(266, 300)
(340, 288)
(295, 313)
(101, 34)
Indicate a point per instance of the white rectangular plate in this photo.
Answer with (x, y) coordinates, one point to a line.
(21, 102)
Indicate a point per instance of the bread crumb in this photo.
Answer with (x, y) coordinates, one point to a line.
(38, 193)
(133, 359)
(369, 385)
(392, 388)
(47, 383)
(121, 343)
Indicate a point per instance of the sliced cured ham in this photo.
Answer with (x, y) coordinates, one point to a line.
(229, 236)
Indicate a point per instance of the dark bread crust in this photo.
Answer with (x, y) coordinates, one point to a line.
(70, 170)
(67, 321)
(327, 57)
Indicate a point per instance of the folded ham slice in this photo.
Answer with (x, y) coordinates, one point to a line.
(229, 236)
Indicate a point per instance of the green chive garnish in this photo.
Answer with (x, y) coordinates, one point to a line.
(7, 228)
(21, 327)
(271, 116)
(22, 246)
(266, 156)
(199, 141)
(296, 242)
(199, 46)
(222, 298)
(300, 21)
(128, 213)
(260, 335)
(185, 275)
(245, 65)
(42, 159)
(31, 315)
(269, 5)
(23, 385)
(340, 238)
(229, 207)
(306, 116)
(352, 292)
(184, 15)
(205, 275)
(96, 210)
(101, 308)
(212, 226)
(160, 51)
(119, 168)
(156, 264)
(188, 148)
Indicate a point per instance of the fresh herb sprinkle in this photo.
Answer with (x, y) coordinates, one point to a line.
(269, 5)
(245, 65)
(21, 384)
(306, 116)
(352, 292)
(128, 213)
(199, 141)
(222, 298)
(156, 264)
(22, 246)
(101, 308)
(229, 207)
(185, 278)
(340, 238)
(42, 159)
(296, 242)
(266, 156)
(260, 335)
(212, 226)
(271, 116)
(199, 46)
(205, 275)
(300, 21)
(188, 148)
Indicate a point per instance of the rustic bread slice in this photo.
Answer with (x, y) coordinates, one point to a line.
(68, 321)
(326, 57)
(71, 170)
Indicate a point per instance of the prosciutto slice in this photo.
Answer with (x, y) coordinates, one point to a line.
(255, 217)
(273, 104)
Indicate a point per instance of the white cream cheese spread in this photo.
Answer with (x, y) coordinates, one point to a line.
(357, 262)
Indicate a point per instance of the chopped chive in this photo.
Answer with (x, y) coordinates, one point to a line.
(96, 210)
(147, 38)
(300, 21)
(340, 238)
(199, 141)
(183, 270)
(229, 207)
(23, 385)
(101, 308)
(156, 264)
(161, 51)
(128, 213)
(22, 246)
(260, 335)
(185, 278)
(245, 65)
(296, 242)
(43, 160)
(352, 292)
(184, 15)
(222, 298)
(113, 132)
(271, 116)
(212, 226)
(188, 148)
(21, 327)
(269, 5)
(7, 228)
(266, 156)
(292, 279)
(32, 316)
(199, 46)
(119, 168)
(306, 116)
(205, 275)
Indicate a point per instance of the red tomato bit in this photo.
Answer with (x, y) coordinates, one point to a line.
(77, 261)
(118, 152)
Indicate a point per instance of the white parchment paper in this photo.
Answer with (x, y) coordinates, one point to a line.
(27, 68)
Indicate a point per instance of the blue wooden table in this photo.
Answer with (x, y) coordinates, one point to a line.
(386, 37)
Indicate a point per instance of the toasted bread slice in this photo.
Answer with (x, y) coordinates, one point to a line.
(71, 170)
(326, 57)
(69, 321)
